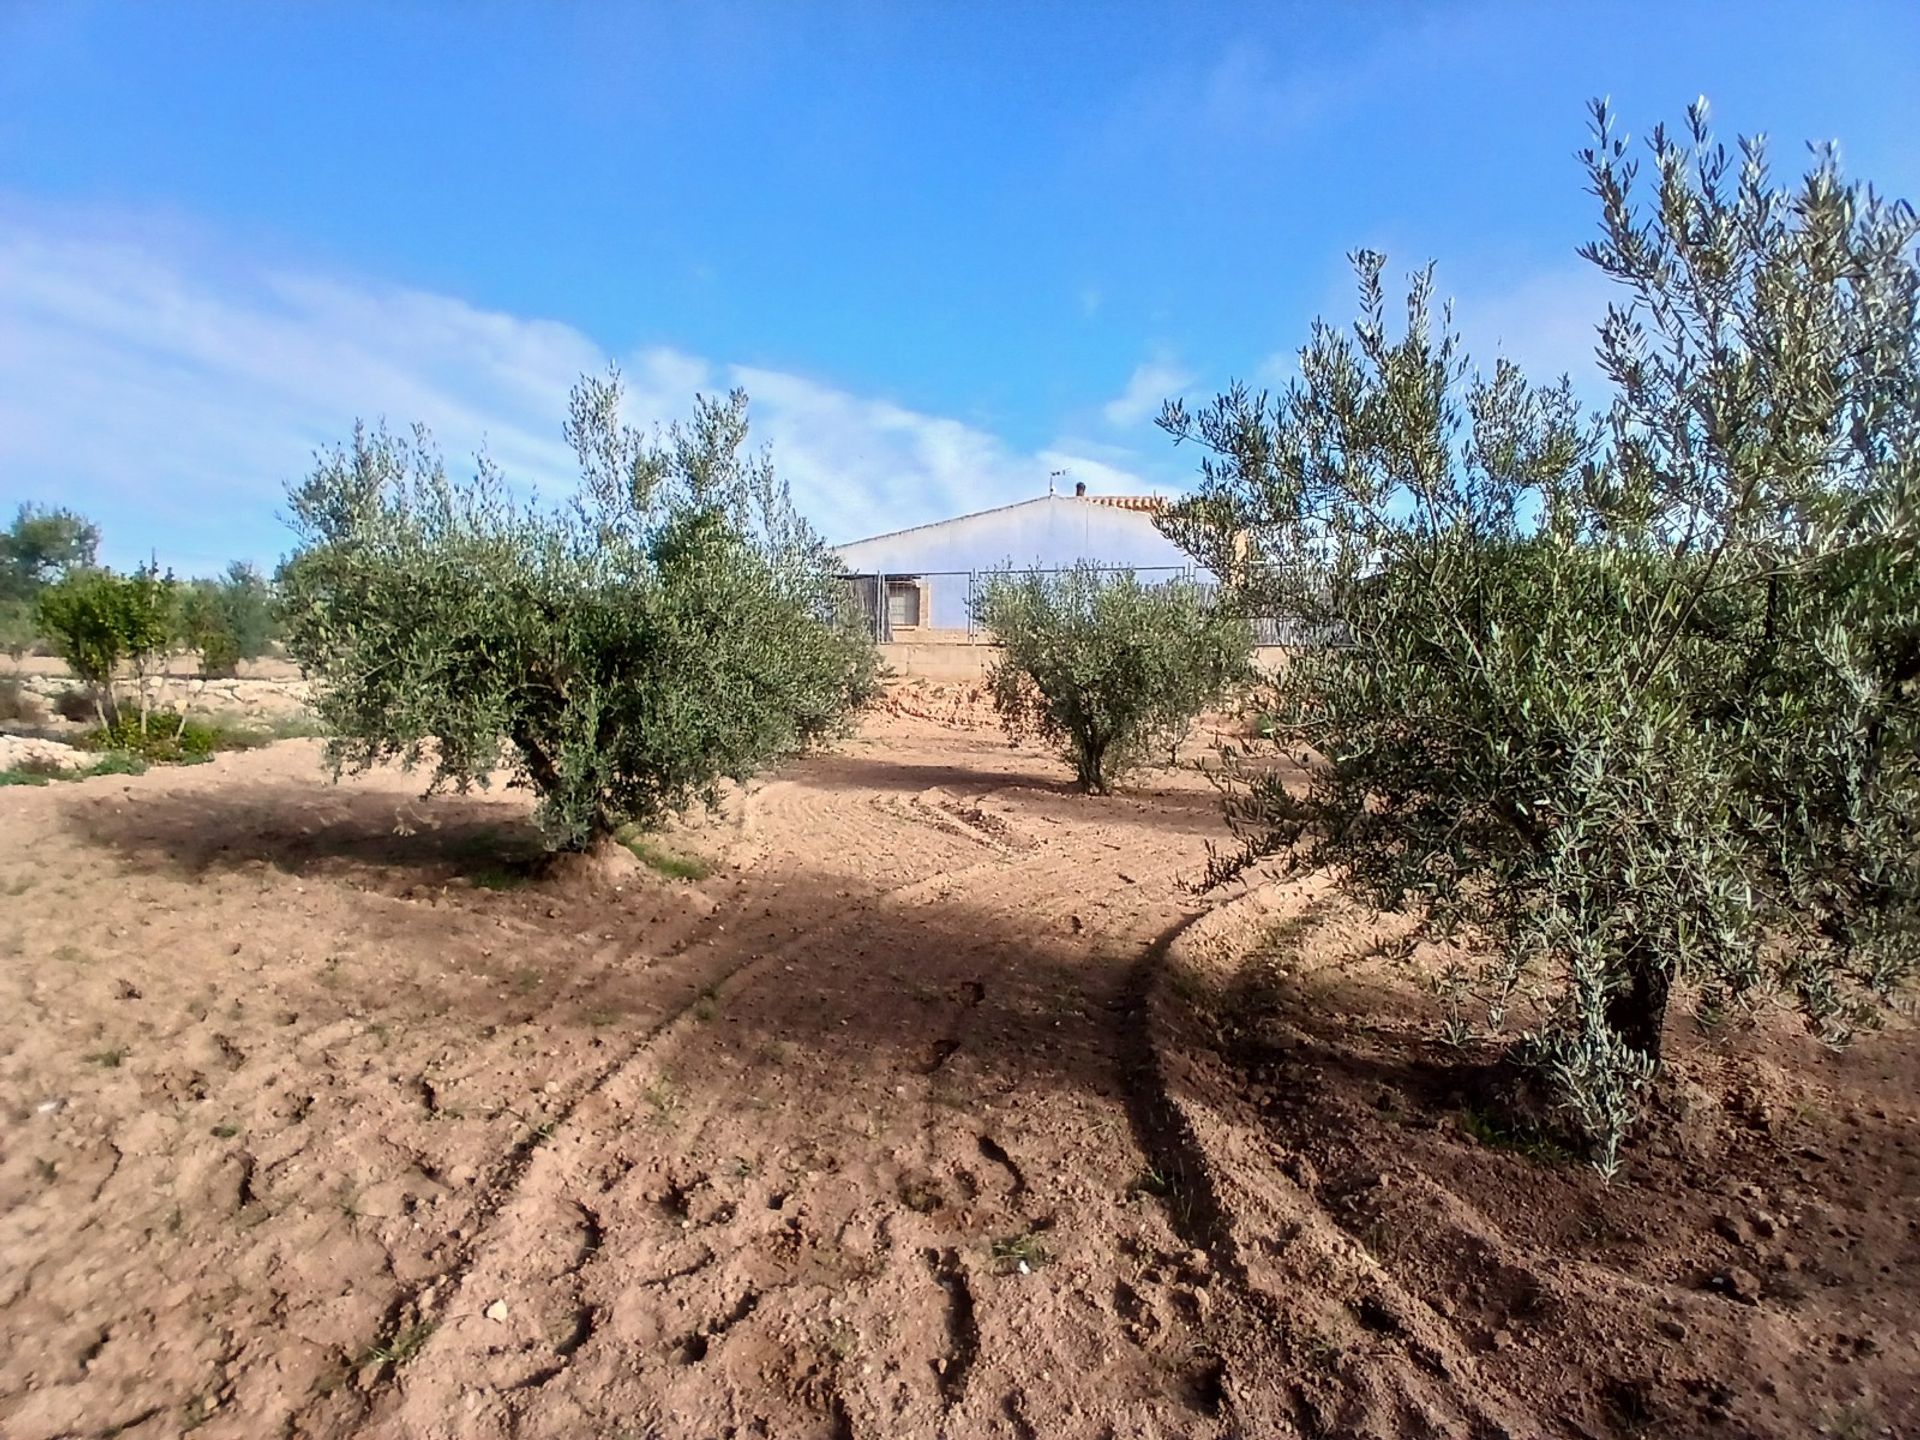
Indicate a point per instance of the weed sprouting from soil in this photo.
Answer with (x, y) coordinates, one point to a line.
(664, 1097)
(405, 1343)
(1022, 1253)
(1499, 1133)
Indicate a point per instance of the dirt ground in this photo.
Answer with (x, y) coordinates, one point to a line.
(936, 1107)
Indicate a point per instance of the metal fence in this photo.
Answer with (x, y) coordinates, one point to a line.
(942, 605)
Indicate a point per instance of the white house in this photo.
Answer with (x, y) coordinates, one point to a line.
(927, 572)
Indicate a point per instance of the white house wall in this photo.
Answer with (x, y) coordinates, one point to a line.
(1052, 532)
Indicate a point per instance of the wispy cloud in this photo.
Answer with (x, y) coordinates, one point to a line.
(1151, 383)
(170, 392)
(1546, 322)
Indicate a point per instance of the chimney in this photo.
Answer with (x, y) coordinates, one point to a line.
(1080, 487)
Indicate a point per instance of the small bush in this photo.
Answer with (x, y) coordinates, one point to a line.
(16, 701)
(170, 740)
(75, 705)
(1108, 667)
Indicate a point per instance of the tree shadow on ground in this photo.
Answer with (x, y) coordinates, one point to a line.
(308, 830)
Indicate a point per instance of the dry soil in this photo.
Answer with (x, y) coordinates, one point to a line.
(930, 1108)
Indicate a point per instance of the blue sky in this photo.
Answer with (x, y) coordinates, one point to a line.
(945, 247)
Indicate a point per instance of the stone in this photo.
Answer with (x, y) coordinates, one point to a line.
(1738, 1284)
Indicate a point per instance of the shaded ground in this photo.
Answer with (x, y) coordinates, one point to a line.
(1411, 1263)
(311, 1132)
(322, 1119)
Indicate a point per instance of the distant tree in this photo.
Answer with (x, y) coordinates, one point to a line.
(40, 547)
(1626, 704)
(1106, 666)
(19, 626)
(229, 619)
(674, 624)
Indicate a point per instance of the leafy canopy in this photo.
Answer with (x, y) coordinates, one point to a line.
(99, 621)
(1105, 666)
(1629, 699)
(672, 624)
(40, 547)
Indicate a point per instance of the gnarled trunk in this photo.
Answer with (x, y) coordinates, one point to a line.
(1637, 1012)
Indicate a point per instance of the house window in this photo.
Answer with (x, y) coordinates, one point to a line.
(903, 603)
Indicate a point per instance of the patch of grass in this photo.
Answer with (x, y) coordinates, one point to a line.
(498, 877)
(706, 1007)
(225, 1131)
(649, 853)
(400, 1347)
(36, 771)
(1022, 1253)
(1499, 1133)
(108, 1059)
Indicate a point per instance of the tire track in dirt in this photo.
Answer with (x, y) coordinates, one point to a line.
(842, 1269)
(1295, 1277)
(845, 827)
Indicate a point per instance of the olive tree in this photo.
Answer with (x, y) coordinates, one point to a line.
(1106, 666)
(672, 624)
(1629, 701)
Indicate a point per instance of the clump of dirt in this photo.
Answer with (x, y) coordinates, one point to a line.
(1417, 1262)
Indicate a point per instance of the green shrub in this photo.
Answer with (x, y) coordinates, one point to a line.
(1628, 704)
(674, 625)
(1107, 667)
(170, 739)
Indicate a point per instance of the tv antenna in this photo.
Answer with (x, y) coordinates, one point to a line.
(1053, 475)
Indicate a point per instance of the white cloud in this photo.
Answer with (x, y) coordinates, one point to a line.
(1546, 322)
(170, 394)
(1151, 383)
